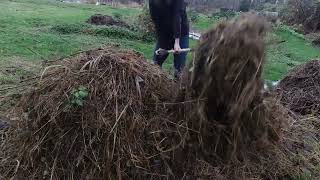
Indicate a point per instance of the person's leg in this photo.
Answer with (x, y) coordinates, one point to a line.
(159, 59)
(154, 60)
(180, 59)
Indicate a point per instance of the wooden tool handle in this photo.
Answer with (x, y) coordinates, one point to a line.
(182, 50)
(163, 51)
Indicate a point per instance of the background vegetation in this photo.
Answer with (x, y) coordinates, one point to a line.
(32, 31)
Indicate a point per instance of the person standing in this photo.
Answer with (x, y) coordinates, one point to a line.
(172, 29)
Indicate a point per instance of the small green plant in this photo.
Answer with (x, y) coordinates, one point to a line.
(78, 96)
(145, 26)
(193, 16)
(70, 28)
(7, 79)
(283, 27)
(106, 31)
(225, 14)
(270, 7)
(245, 5)
(114, 32)
(117, 15)
(303, 176)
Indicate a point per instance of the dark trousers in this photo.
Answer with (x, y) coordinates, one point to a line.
(179, 59)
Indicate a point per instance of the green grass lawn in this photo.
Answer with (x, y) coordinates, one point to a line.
(27, 35)
(281, 57)
(285, 56)
(24, 28)
(205, 22)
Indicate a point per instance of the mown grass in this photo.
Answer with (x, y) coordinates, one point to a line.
(294, 50)
(205, 22)
(281, 57)
(25, 25)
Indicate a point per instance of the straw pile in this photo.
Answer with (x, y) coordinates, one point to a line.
(227, 73)
(95, 115)
(240, 128)
(109, 114)
(299, 90)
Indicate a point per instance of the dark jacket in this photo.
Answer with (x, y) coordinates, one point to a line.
(170, 18)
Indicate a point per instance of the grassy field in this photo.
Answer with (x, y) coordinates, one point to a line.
(35, 30)
(293, 50)
(25, 28)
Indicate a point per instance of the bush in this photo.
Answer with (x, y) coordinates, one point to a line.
(297, 11)
(245, 5)
(283, 27)
(193, 16)
(224, 14)
(142, 28)
(117, 15)
(269, 7)
(114, 32)
(69, 28)
(106, 31)
(145, 26)
(304, 12)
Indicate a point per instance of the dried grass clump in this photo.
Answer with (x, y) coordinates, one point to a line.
(299, 90)
(99, 19)
(120, 130)
(227, 73)
(302, 145)
(240, 127)
(299, 93)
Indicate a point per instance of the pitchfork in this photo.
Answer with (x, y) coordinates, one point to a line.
(164, 52)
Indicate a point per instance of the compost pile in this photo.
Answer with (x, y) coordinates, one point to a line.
(299, 90)
(305, 13)
(109, 114)
(312, 24)
(314, 38)
(100, 19)
(227, 73)
(94, 115)
(239, 125)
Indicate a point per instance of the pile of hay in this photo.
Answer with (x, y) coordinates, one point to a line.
(301, 144)
(238, 125)
(100, 19)
(227, 73)
(15, 75)
(299, 90)
(96, 115)
(109, 114)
